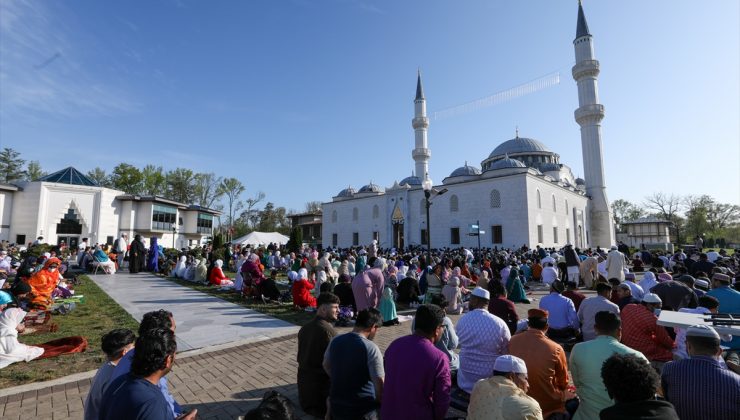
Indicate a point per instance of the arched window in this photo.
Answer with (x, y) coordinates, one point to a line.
(453, 203)
(334, 216)
(355, 214)
(539, 200)
(376, 212)
(495, 199)
(554, 204)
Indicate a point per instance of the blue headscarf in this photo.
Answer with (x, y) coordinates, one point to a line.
(153, 257)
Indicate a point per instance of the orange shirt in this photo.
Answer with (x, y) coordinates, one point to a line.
(547, 368)
(537, 271)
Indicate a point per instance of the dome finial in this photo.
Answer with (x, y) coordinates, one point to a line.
(466, 163)
(517, 131)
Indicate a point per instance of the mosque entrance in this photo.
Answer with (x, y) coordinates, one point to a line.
(397, 221)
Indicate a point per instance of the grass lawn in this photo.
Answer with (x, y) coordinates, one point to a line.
(92, 319)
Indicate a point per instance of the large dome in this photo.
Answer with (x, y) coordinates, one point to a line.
(507, 162)
(465, 171)
(346, 193)
(519, 145)
(410, 181)
(370, 188)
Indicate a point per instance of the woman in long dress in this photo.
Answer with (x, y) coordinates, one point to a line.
(136, 255)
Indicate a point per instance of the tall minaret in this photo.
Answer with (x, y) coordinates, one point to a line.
(589, 115)
(421, 152)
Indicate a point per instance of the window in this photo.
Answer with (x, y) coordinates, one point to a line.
(355, 238)
(497, 234)
(422, 206)
(334, 216)
(453, 203)
(495, 199)
(566, 207)
(539, 200)
(540, 234)
(376, 212)
(554, 204)
(205, 223)
(555, 234)
(567, 234)
(355, 214)
(69, 224)
(424, 237)
(109, 240)
(376, 236)
(20, 239)
(455, 236)
(334, 239)
(163, 217)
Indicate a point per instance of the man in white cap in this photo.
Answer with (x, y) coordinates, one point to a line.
(483, 337)
(718, 388)
(504, 395)
(729, 300)
(642, 332)
(615, 264)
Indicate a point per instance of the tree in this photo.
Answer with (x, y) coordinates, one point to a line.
(232, 188)
(11, 166)
(697, 208)
(625, 211)
(154, 181)
(99, 176)
(180, 184)
(251, 214)
(313, 206)
(273, 219)
(127, 178)
(296, 240)
(722, 216)
(206, 189)
(33, 171)
(667, 208)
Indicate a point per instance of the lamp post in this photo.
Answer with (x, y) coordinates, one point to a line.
(174, 231)
(429, 193)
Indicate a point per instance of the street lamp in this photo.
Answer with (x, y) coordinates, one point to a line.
(429, 193)
(174, 231)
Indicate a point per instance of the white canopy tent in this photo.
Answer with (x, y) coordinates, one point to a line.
(261, 238)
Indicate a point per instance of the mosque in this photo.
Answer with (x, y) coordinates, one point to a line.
(521, 195)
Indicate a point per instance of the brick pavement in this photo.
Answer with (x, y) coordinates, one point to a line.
(221, 384)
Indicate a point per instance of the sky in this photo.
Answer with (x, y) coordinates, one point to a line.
(302, 98)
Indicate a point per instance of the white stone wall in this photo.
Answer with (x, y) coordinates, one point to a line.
(561, 216)
(6, 209)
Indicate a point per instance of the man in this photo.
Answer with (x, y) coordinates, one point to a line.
(549, 273)
(586, 360)
(545, 359)
(120, 247)
(417, 383)
(504, 395)
(624, 295)
(637, 292)
(589, 271)
(563, 317)
(483, 337)
(355, 365)
(82, 245)
(572, 293)
(702, 265)
(367, 288)
(573, 263)
(675, 295)
(642, 333)
(633, 384)
(136, 395)
(729, 300)
(313, 339)
(115, 345)
(615, 264)
(720, 388)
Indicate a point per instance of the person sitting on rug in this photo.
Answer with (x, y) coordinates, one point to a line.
(11, 350)
(5, 300)
(115, 345)
(563, 318)
(452, 293)
(268, 287)
(514, 288)
(218, 278)
(301, 290)
(179, 269)
(43, 283)
(201, 271)
(102, 260)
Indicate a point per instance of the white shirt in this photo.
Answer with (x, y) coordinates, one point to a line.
(637, 291)
(549, 275)
(482, 337)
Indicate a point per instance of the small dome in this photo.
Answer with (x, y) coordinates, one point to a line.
(519, 145)
(465, 171)
(346, 193)
(410, 180)
(370, 188)
(580, 181)
(546, 167)
(507, 162)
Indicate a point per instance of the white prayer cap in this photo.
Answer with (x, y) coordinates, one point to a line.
(701, 331)
(651, 298)
(482, 293)
(508, 363)
(614, 248)
(701, 284)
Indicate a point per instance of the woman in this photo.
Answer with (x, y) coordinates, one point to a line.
(180, 267)
(514, 288)
(201, 271)
(136, 255)
(388, 307)
(434, 283)
(218, 278)
(103, 261)
(190, 269)
(301, 290)
(483, 280)
(43, 283)
(453, 295)
(11, 351)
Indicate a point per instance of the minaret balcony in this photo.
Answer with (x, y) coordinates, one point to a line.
(420, 122)
(592, 113)
(421, 153)
(586, 68)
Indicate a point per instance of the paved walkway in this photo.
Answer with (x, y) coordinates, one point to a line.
(202, 320)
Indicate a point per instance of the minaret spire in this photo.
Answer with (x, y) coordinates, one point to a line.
(419, 87)
(420, 122)
(582, 26)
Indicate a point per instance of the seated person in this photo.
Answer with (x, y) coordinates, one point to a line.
(86, 259)
(218, 278)
(301, 290)
(343, 290)
(408, 290)
(11, 350)
(201, 271)
(43, 283)
(624, 293)
(563, 318)
(101, 258)
(5, 300)
(273, 406)
(637, 265)
(268, 287)
(115, 345)
(640, 331)
(504, 395)
(549, 274)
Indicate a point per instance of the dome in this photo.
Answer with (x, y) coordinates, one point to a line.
(370, 188)
(346, 193)
(410, 180)
(465, 171)
(546, 167)
(580, 181)
(507, 162)
(519, 145)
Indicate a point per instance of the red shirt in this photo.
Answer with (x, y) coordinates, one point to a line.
(641, 332)
(576, 296)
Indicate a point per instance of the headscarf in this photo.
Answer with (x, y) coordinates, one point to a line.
(292, 275)
(302, 274)
(9, 321)
(219, 263)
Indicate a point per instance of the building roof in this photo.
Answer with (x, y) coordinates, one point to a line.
(346, 193)
(647, 219)
(419, 87)
(519, 145)
(466, 170)
(410, 180)
(507, 162)
(371, 188)
(158, 199)
(582, 27)
(10, 187)
(69, 176)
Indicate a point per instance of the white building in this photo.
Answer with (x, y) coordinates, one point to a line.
(522, 195)
(649, 232)
(68, 206)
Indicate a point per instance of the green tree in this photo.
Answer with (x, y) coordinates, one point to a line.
(697, 208)
(127, 178)
(34, 171)
(154, 181)
(99, 176)
(296, 240)
(232, 189)
(206, 189)
(180, 183)
(11, 166)
(624, 211)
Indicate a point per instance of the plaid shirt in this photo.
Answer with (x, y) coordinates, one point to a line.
(699, 388)
(641, 332)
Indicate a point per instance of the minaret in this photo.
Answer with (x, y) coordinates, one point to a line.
(589, 115)
(421, 152)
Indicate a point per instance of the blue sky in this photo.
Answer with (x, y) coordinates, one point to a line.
(301, 98)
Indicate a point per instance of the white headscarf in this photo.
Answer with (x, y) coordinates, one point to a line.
(292, 275)
(302, 274)
(11, 350)
(219, 263)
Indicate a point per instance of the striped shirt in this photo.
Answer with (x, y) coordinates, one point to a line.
(699, 388)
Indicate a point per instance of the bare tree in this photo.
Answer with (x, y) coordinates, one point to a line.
(313, 206)
(668, 208)
(207, 189)
(232, 188)
(251, 214)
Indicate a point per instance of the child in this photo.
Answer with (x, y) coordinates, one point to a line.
(115, 344)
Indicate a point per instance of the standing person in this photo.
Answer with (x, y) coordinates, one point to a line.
(615, 264)
(120, 247)
(483, 337)
(417, 383)
(573, 263)
(137, 255)
(585, 364)
(367, 288)
(642, 332)
(589, 271)
(115, 345)
(355, 365)
(546, 364)
(593, 305)
(313, 339)
(504, 394)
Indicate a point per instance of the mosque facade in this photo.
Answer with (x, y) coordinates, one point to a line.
(521, 194)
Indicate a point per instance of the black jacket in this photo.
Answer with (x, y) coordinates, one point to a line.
(640, 410)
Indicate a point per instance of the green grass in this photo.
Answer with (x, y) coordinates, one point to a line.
(92, 319)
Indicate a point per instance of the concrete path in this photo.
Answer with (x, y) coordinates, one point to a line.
(202, 320)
